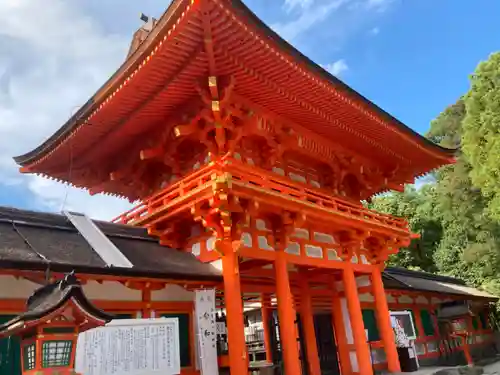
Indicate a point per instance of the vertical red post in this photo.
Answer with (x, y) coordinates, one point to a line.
(357, 325)
(265, 302)
(340, 334)
(465, 347)
(418, 322)
(306, 314)
(238, 361)
(146, 300)
(383, 321)
(287, 316)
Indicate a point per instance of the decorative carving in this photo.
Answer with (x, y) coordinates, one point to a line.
(173, 234)
(379, 248)
(224, 214)
(283, 225)
(350, 241)
(220, 132)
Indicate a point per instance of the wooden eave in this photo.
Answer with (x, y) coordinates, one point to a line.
(160, 77)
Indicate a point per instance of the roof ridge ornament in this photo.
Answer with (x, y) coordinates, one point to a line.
(149, 22)
(142, 33)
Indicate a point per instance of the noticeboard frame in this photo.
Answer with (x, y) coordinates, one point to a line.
(409, 314)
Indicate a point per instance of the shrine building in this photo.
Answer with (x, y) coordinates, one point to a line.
(249, 165)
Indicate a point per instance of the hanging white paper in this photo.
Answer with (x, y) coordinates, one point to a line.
(207, 333)
(130, 347)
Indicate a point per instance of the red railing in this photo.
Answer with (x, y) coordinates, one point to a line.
(283, 186)
(169, 196)
(252, 178)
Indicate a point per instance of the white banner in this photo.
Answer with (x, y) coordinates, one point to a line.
(207, 335)
(130, 347)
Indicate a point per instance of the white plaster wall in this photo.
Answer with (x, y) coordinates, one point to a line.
(422, 300)
(111, 291)
(347, 321)
(354, 361)
(361, 281)
(349, 334)
(366, 297)
(12, 288)
(390, 298)
(172, 292)
(405, 299)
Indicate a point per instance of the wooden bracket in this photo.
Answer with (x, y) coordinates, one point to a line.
(224, 214)
(283, 225)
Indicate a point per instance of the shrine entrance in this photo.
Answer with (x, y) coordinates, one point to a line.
(325, 339)
(327, 346)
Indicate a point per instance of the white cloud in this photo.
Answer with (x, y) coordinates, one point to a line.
(339, 19)
(379, 5)
(337, 68)
(309, 16)
(290, 5)
(56, 53)
(54, 196)
(54, 57)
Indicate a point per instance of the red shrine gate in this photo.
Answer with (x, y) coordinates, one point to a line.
(248, 155)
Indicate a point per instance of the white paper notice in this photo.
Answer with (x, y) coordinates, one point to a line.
(207, 332)
(411, 353)
(130, 347)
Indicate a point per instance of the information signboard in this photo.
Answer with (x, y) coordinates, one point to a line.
(406, 320)
(207, 332)
(130, 347)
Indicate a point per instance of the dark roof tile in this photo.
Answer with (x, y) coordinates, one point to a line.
(152, 256)
(61, 246)
(31, 237)
(13, 247)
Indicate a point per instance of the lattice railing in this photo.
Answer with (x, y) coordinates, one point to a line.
(169, 196)
(247, 176)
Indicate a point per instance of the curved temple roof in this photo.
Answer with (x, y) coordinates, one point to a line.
(50, 298)
(365, 123)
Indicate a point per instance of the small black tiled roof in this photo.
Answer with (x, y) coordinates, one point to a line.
(427, 282)
(39, 240)
(48, 299)
(397, 271)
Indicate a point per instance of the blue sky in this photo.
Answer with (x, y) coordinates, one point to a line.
(411, 57)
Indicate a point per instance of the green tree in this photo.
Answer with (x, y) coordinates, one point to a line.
(416, 207)
(458, 237)
(481, 131)
(468, 247)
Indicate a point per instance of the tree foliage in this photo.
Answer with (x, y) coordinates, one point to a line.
(458, 214)
(414, 206)
(481, 131)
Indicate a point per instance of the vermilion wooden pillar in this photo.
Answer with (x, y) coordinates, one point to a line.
(357, 325)
(146, 299)
(340, 334)
(287, 316)
(384, 321)
(418, 322)
(265, 302)
(238, 360)
(306, 314)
